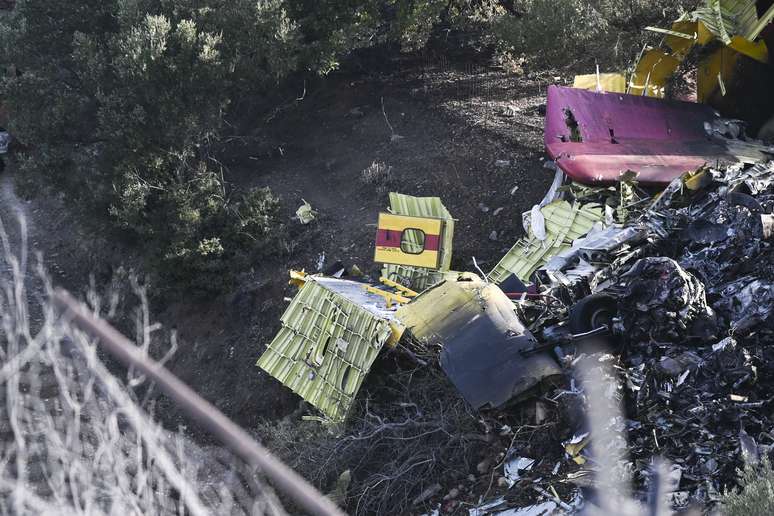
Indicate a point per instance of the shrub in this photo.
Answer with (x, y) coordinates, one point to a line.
(756, 497)
(560, 33)
(379, 176)
(75, 438)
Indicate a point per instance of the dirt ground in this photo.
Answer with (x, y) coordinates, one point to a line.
(464, 131)
(472, 136)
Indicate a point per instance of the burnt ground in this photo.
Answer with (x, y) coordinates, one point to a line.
(464, 131)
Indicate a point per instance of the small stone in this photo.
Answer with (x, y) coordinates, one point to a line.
(502, 163)
(483, 207)
(484, 466)
(514, 190)
(493, 236)
(498, 211)
(471, 478)
(502, 482)
(454, 493)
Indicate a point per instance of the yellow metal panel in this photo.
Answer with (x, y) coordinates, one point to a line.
(565, 223)
(401, 222)
(326, 346)
(428, 258)
(756, 50)
(722, 63)
(653, 71)
(705, 35)
(682, 44)
(609, 82)
(429, 207)
(394, 255)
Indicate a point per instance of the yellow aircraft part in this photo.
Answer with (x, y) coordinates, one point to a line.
(298, 278)
(331, 334)
(735, 23)
(607, 82)
(683, 36)
(389, 297)
(721, 65)
(412, 241)
(394, 284)
(754, 49)
(653, 72)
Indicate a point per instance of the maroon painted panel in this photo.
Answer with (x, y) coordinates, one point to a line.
(392, 238)
(658, 139)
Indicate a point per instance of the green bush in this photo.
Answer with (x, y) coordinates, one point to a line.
(120, 103)
(567, 31)
(756, 497)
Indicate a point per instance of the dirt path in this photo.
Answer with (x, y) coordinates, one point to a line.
(45, 224)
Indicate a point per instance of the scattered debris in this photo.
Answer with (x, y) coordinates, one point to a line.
(481, 340)
(564, 223)
(331, 334)
(515, 466)
(305, 214)
(659, 304)
(417, 277)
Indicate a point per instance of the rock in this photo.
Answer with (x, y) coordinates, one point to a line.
(493, 236)
(483, 207)
(427, 494)
(502, 482)
(484, 466)
(453, 494)
(498, 211)
(509, 111)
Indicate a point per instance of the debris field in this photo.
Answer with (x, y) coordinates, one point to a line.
(639, 304)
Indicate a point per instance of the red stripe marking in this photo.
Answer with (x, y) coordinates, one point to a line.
(390, 238)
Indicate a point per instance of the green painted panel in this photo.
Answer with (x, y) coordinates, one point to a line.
(565, 223)
(325, 348)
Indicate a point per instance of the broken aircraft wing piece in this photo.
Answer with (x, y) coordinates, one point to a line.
(331, 334)
(564, 223)
(482, 340)
(596, 137)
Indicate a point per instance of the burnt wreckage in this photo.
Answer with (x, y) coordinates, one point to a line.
(648, 268)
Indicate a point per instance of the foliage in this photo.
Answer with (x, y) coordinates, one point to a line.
(417, 408)
(121, 103)
(77, 439)
(608, 31)
(757, 494)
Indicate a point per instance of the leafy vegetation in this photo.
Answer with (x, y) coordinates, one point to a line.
(756, 497)
(607, 31)
(122, 103)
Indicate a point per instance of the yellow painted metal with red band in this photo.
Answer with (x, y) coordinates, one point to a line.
(411, 241)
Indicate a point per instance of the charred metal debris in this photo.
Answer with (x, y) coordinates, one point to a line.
(639, 305)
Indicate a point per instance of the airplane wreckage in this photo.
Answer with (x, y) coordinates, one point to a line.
(652, 253)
